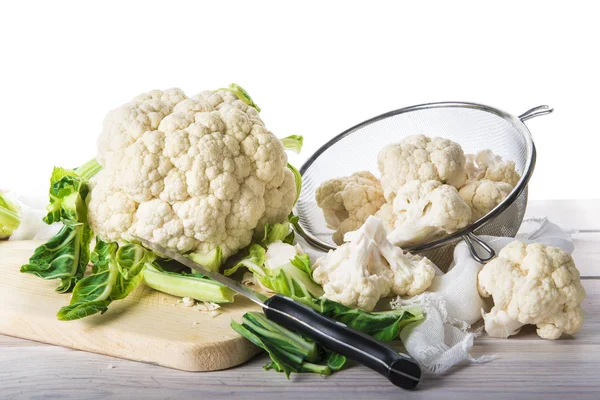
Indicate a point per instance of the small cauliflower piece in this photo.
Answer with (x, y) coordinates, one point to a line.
(482, 196)
(369, 267)
(188, 301)
(355, 274)
(420, 158)
(487, 165)
(532, 284)
(422, 211)
(191, 174)
(347, 202)
(413, 273)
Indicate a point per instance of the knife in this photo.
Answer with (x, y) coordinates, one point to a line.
(399, 368)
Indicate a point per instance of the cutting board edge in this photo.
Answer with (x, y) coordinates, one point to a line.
(191, 357)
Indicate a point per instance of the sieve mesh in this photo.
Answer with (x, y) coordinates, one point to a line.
(475, 127)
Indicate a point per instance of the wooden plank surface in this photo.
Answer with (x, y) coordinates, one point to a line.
(526, 367)
(569, 214)
(146, 326)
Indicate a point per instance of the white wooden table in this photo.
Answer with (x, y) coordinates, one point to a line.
(527, 367)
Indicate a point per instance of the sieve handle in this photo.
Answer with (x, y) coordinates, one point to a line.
(535, 112)
(471, 239)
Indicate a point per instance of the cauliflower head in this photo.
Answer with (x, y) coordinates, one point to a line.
(532, 284)
(487, 165)
(190, 174)
(367, 268)
(482, 196)
(422, 211)
(347, 202)
(420, 158)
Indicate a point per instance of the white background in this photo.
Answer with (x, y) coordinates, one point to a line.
(315, 68)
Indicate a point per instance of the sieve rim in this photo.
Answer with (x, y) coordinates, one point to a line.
(517, 122)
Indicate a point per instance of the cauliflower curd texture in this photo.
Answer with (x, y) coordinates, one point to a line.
(421, 158)
(190, 174)
(487, 165)
(532, 284)
(347, 202)
(422, 211)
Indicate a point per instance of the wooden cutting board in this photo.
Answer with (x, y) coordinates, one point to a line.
(147, 326)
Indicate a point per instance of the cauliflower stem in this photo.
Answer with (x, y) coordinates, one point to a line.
(241, 94)
(88, 169)
(293, 143)
(278, 266)
(289, 351)
(68, 193)
(195, 286)
(211, 261)
(9, 217)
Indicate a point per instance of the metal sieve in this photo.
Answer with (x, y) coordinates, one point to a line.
(474, 126)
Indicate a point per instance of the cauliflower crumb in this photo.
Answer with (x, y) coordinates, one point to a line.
(188, 301)
(207, 306)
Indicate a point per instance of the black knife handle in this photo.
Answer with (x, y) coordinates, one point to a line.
(399, 368)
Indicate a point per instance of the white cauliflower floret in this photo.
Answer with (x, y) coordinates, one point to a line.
(369, 267)
(420, 158)
(347, 202)
(386, 214)
(422, 211)
(413, 273)
(354, 274)
(486, 165)
(532, 284)
(190, 174)
(482, 196)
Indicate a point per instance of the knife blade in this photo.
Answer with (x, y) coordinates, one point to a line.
(401, 369)
(222, 279)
